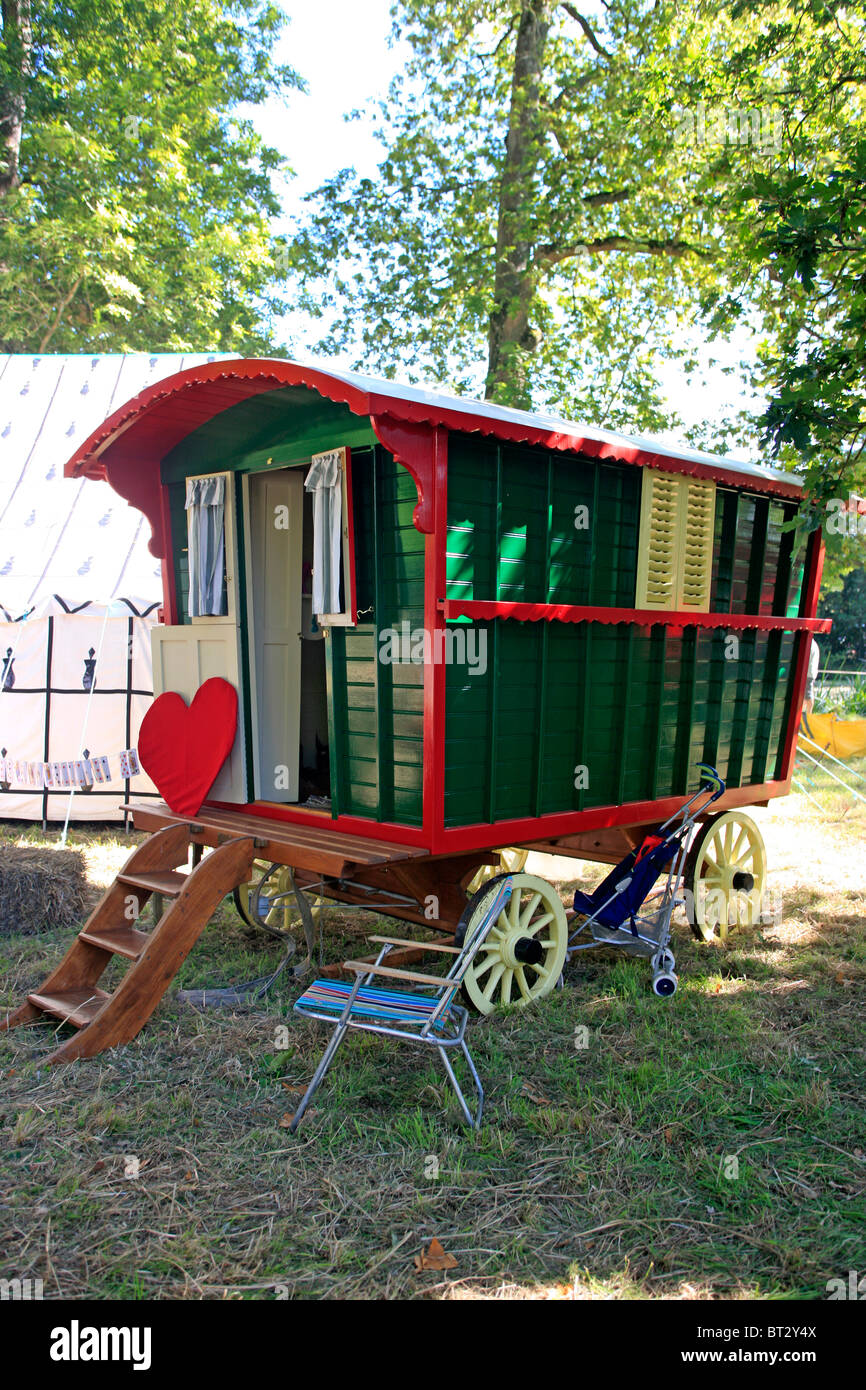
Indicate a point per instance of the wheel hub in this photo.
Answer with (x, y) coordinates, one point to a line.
(528, 951)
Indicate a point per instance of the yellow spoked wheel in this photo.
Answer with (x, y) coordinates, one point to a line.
(725, 876)
(523, 955)
(268, 900)
(510, 861)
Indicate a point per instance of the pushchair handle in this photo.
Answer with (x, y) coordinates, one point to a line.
(711, 781)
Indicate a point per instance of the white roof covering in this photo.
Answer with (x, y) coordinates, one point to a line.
(439, 400)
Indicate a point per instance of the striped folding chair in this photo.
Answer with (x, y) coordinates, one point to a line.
(427, 1017)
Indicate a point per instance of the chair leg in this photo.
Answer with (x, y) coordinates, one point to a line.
(472, 1121)
(319, 1075)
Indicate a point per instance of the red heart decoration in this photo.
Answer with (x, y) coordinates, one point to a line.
(182, 747)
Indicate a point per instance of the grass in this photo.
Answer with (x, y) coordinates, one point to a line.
(709, 1146)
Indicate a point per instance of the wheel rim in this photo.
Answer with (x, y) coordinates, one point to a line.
(729, 854)
(268, 900)
(510, 861)
(497, 974)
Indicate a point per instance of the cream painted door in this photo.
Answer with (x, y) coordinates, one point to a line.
(183, 659)
(275, 555)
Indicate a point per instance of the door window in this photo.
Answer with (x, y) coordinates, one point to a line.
(206, 531)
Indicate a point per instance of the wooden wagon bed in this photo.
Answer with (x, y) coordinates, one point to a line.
(315, 848)
(394, 878)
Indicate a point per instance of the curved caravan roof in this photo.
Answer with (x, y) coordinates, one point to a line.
(150, 424)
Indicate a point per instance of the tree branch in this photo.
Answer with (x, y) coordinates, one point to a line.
(61, 310)
(584, 24)
(555, 255)
(603, 200)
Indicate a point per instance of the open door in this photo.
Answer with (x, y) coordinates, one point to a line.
(187, 655)
(275, 511)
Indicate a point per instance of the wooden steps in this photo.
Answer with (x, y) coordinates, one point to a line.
(121, 941)
(71, 993)
(76, 1006)
(168, 884)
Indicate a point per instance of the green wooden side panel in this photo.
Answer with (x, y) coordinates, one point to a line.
(568, 717)
(629, 711)
(529, 526)
(377, 700)
(755, 567)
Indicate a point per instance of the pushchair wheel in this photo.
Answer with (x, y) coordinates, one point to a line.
(663, 962)
(664, 983)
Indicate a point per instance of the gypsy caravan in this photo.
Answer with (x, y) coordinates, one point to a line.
(419, 629)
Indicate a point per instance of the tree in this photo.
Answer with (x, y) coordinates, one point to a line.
(846, 642)
(530, 204)
(567, 199)
(135, 203)
(796, 231)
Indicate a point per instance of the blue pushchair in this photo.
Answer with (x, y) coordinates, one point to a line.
(623, 912)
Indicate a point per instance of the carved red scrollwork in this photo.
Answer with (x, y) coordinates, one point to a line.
(137, 480)
(414, 447)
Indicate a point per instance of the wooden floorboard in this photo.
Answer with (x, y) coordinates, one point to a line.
(328, 852)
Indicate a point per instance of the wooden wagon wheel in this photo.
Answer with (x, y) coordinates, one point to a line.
(268, 900)
(522, 958)
(725, 876)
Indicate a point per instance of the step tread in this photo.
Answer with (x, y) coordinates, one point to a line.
(76, 1006)
(167, 882)
(123, 941)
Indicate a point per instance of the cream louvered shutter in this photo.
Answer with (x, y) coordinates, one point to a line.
(676, 542)
(659, 541)
(696, 554)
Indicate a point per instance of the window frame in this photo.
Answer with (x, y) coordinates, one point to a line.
(229, 549)
(349, 616)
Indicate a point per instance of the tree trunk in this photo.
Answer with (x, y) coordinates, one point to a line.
(18, 42)
(511, 337)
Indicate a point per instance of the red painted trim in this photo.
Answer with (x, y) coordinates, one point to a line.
(135, 477)
(413, 446)
(350, 505)
(501, 834)
(169, 589)
(435, 672)
(515, 832)
(150, 424)
(458, 421)
(808, 607)
(646, 617)
(352, 825)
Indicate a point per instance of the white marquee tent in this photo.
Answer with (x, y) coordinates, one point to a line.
(75, 672)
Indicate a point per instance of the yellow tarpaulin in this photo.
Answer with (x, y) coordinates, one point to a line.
(843, 738)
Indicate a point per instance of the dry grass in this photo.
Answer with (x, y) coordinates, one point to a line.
(41, 888)
(162, 1170)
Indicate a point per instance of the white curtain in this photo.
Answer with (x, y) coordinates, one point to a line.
(324, 481)
(205, 521)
